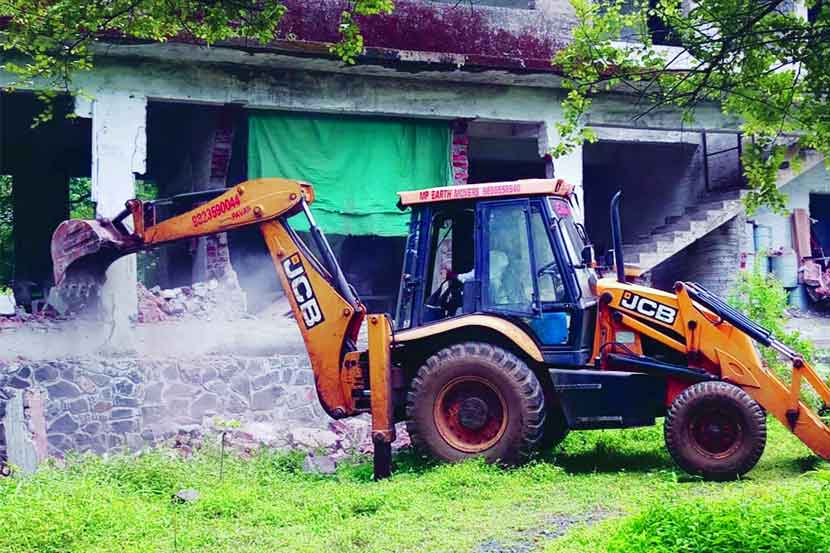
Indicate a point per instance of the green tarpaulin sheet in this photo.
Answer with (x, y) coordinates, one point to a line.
(356, 164)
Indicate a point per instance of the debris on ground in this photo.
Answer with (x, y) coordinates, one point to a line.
(187, 441)
(214, 299)
(344, 439)
(817, 280)
(319, 464)
(186, 496)
(314, 439)
(44, 320)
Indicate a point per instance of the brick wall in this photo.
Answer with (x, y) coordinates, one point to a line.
(217, 256)
(460, 153)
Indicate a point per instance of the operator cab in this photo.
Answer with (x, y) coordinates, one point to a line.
(507, 249)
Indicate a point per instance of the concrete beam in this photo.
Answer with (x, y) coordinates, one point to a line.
(658, 136)
(192, 74)
(568, 167)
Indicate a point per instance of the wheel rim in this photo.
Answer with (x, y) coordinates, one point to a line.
(470, 414)
(716, 431)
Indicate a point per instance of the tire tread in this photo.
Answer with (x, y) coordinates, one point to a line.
(752, 410)
(532, 397)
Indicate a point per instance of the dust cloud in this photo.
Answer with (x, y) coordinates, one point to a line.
(175, 338)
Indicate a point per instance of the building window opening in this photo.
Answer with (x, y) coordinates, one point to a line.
(661, 33)
(816, 11)
(815, 269)
(6, 232)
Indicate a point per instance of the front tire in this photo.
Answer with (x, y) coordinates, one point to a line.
(475, 399)
(715, 430)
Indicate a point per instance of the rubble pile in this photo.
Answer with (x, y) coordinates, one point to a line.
(324, 448)
(44, 320)
(219, 299)
(817, 280)
(215, 299)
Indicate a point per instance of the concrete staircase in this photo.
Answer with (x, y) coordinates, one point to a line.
(710, 212)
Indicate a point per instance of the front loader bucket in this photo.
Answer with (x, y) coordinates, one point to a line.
(82, 250)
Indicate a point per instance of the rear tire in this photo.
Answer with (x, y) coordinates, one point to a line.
(475, 399)
(715, 430)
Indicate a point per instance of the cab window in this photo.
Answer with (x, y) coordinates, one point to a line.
(450, 262)
(548, 272)
(508, 284)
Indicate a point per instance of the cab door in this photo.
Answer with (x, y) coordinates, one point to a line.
(521, 269)
(505, 264)
(554, 325)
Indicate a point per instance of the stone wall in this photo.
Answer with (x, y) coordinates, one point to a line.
(100, 404)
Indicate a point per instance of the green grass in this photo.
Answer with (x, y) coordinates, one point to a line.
(602, 491)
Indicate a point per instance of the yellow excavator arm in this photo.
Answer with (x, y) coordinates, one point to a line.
(327, 309)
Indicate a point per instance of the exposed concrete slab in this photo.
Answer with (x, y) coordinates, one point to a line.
(221, 75)
(609, 134)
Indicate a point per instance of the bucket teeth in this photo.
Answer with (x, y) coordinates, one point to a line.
(81, 253)
(75, 295)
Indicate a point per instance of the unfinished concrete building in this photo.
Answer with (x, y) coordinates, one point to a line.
(467, 93)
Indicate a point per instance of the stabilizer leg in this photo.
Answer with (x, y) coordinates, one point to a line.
(382, 458)
(380, 384)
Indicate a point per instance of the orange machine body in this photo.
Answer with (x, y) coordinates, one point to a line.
(350, 381)
(709, 344)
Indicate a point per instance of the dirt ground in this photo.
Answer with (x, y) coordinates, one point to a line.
(813, 325)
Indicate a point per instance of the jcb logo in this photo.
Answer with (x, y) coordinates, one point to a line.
(303, 293)
(649, 308)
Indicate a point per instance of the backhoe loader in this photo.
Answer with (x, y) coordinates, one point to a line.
(503, 339)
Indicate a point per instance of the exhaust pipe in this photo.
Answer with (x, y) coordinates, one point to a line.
(616, 235)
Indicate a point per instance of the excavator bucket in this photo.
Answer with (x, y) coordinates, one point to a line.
(82, 250)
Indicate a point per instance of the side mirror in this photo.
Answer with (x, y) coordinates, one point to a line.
(587, 255)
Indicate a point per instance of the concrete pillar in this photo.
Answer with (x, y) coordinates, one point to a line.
(217, 258)
(24, 424)
(568, 167)
(195, 176)
(119, 150)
